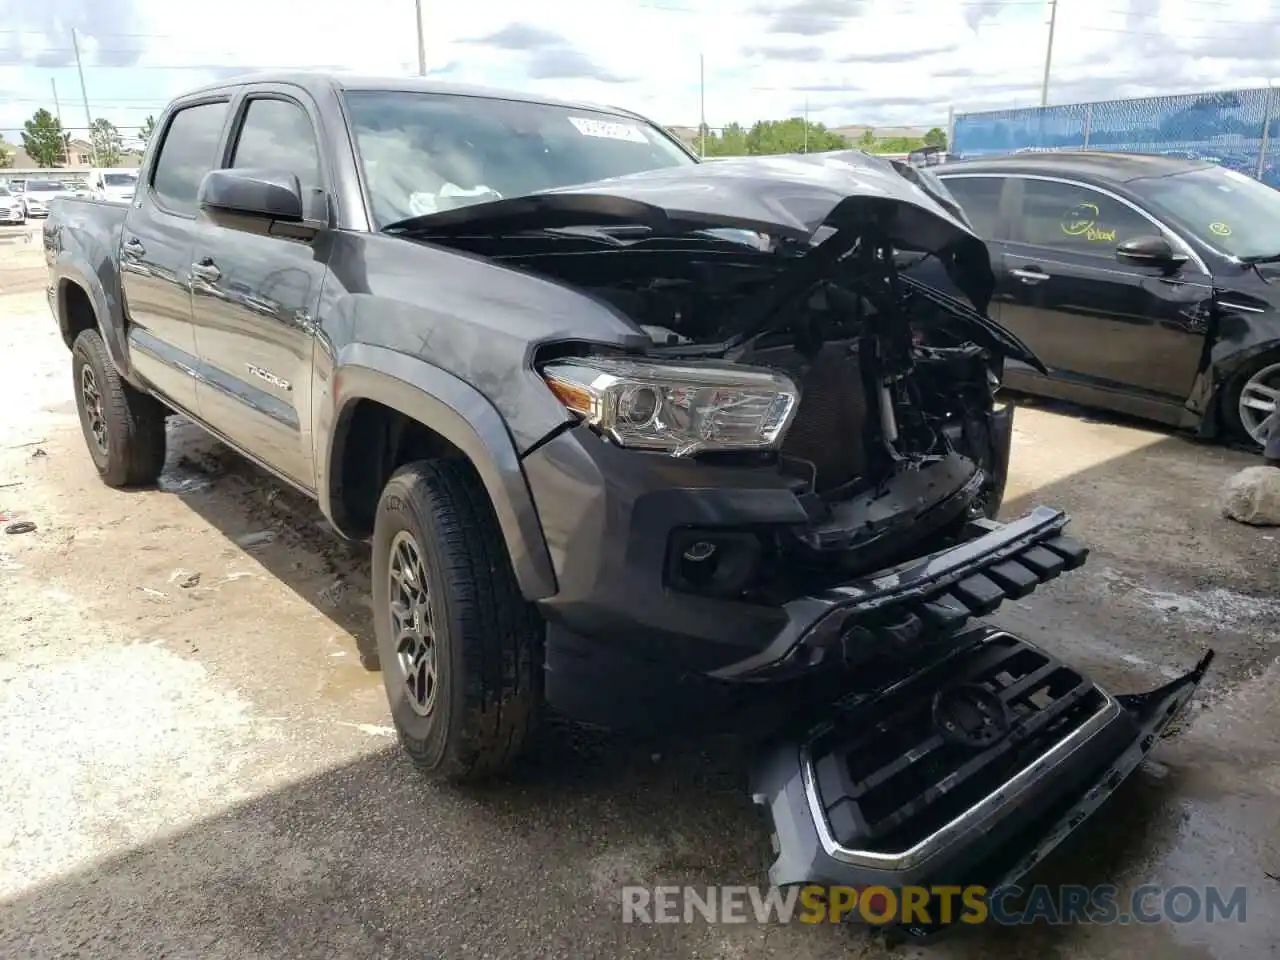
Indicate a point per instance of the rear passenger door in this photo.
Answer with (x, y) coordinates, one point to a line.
(256, 290)
(981, 198)
(155, 253)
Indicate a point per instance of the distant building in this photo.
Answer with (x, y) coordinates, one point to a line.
(79, 157)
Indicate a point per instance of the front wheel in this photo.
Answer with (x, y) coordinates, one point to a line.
(123, 428)
(459, 647)
(1252, 399)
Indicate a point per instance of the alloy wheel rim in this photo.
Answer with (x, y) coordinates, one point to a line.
(1258, 400)
(411, 624)
(92, 397)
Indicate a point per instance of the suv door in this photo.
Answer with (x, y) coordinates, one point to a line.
(1098, 324)
(155, 251)
(256, 289)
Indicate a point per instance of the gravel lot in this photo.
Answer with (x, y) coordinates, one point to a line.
(202, 767)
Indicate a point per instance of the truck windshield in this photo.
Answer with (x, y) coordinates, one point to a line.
(425, 152)
(1228, 210)
(119, 180)
(44, 186)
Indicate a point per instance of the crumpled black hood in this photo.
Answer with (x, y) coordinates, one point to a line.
(815, 199)
(792, 197)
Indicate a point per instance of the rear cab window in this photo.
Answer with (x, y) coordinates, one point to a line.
(188, 151)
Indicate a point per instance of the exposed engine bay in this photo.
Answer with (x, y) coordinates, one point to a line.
(889, 446)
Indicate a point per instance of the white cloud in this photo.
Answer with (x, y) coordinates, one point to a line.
(855, 61)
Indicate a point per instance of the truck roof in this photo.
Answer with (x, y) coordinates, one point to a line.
(318, 82)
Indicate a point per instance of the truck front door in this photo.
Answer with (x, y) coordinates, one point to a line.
(255, 291)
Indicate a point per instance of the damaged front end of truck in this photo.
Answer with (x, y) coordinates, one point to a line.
(829, 567)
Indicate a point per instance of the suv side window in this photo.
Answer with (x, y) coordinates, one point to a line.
(277, 134)
(979, 198)
(189, 151)
(1064, 216)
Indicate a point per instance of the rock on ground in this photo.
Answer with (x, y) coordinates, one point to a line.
(1253, 496)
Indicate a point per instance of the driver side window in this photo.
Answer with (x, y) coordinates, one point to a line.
(277, 134)
(1068, 217)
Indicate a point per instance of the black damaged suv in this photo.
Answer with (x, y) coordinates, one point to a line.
(648, 441)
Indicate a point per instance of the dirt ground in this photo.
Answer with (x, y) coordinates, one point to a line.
(197, 760)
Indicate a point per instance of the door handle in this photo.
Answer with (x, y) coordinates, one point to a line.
(206, 270)
(133, 246)
(1029, 276)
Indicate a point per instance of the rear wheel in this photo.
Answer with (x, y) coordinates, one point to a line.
(1252, 398)
(123, 428)
(459, 646)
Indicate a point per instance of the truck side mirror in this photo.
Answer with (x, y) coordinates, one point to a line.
(267, 194)
(1153, 251)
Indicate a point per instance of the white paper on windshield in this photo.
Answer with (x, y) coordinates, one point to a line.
(608, 130)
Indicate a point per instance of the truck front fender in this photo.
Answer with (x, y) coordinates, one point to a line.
(461, 415)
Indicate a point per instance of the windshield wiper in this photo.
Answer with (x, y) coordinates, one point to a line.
(1261, 258)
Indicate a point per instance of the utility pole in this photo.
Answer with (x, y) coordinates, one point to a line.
(702, 105)
(84, 96)
(1048, 53)
(422, 40)
(57, 115)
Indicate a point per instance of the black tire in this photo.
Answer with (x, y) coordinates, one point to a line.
(134, 448)
(488, 639)
(1230, 409)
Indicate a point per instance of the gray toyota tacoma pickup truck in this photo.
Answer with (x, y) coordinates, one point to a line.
(652, 443)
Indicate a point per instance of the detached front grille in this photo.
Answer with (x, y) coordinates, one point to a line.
(889, 774)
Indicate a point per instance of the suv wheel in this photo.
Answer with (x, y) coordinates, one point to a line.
(123, 428)
(459, 647)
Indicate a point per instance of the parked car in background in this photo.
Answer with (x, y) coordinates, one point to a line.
(11, 208)
(115, 185)
(38, 194)
(1146, 284)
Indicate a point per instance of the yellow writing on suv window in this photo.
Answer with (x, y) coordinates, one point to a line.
(1082, 221)
(1221, 229)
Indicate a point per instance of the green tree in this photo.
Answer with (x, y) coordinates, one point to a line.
(767, 137)
(867, 141)
(146, 130)
(6, 154)
(107, 145)
(42, 139)
(936, 138)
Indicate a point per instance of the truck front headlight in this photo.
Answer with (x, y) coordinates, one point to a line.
(681, 409)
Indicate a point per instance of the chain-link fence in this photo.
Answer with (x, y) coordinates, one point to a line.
(1237, 128)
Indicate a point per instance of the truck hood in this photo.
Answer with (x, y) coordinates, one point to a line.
(801, 202)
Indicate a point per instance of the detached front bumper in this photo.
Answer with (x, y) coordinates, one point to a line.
(910, 787)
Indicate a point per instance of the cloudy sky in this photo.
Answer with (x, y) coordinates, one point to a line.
(855, 61)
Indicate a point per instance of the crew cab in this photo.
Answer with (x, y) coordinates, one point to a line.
(1144, 283)
(635, 438)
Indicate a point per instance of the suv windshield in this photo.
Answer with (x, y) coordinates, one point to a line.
(119, 180)
(43, 186)
(1228, 210)
(425, 152)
